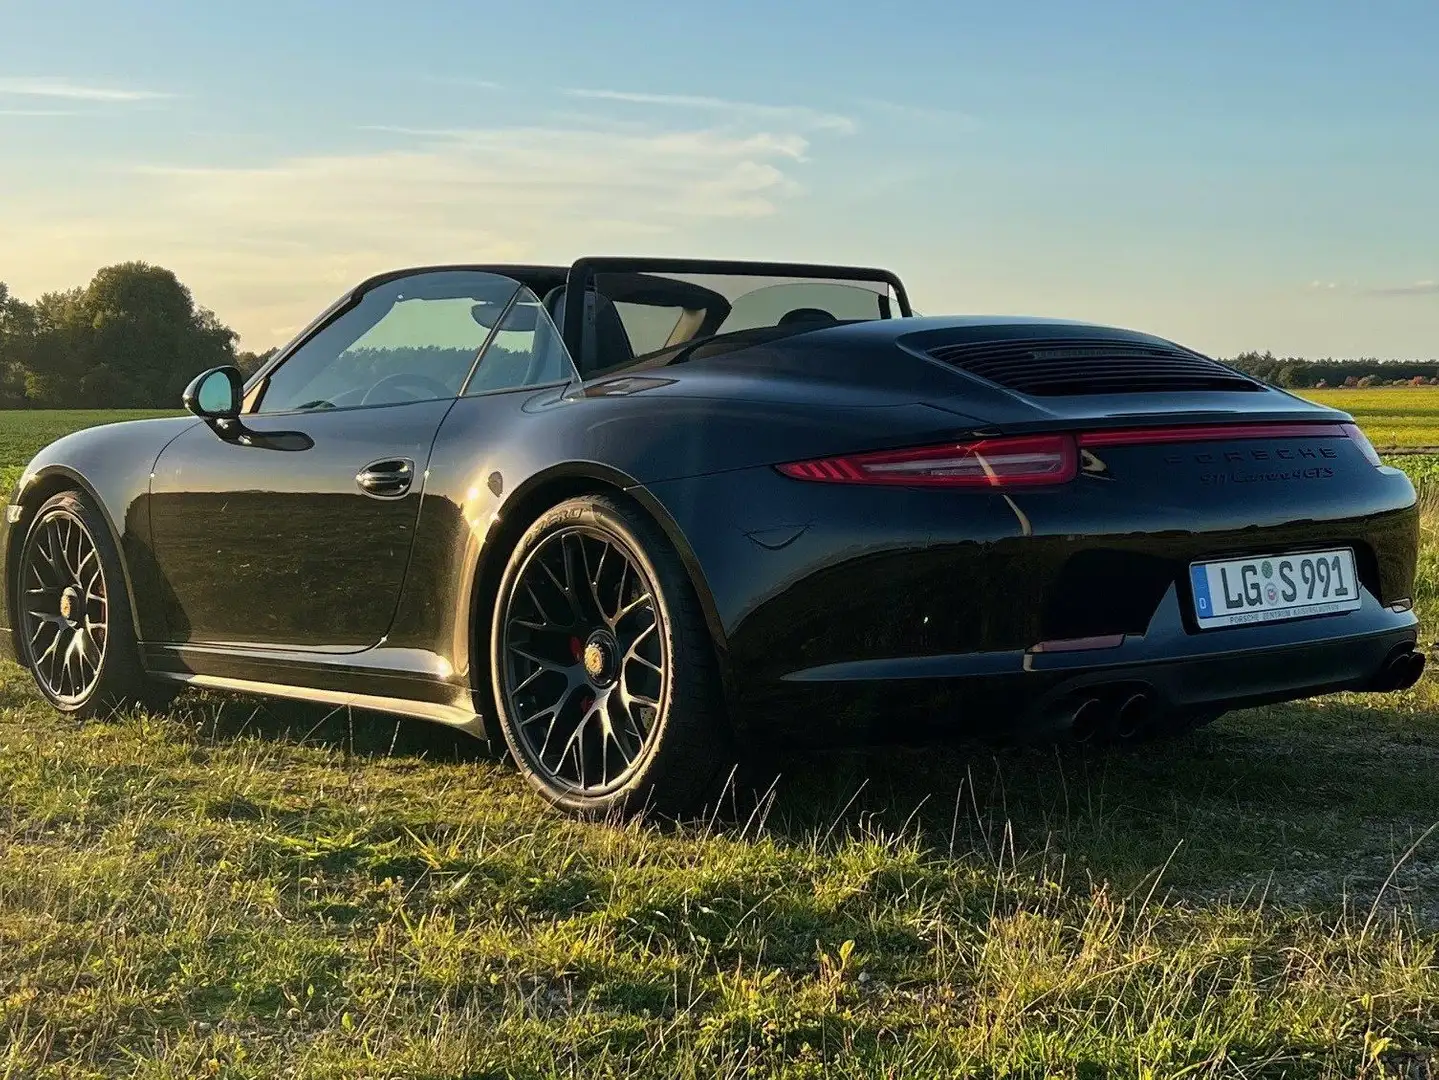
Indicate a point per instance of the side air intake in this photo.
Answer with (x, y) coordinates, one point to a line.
(1067, 366)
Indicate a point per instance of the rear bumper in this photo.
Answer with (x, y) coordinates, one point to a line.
(1019, 694)
(844, 611)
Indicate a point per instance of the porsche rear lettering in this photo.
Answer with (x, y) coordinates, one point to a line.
(1301, 453)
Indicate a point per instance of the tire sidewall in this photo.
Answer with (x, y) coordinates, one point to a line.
(589, 513)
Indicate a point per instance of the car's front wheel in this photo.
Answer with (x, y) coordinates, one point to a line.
(75, 632)
(604, 673)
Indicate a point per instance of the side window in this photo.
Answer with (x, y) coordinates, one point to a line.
(414, 339)
(527, 350)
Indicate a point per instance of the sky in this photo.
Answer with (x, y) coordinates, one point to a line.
(1244, 175)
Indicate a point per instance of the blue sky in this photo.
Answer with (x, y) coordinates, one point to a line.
(1233, 175)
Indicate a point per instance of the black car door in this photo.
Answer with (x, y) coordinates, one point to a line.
(296, 532)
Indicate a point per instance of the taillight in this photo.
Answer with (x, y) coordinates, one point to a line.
(1032, 460)
(1025, 461)
(1359, 439)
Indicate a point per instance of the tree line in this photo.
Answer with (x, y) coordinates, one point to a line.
(134, 337)
(1297, 373)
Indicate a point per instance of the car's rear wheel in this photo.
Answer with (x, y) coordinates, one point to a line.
(604, 673)
(76, 635)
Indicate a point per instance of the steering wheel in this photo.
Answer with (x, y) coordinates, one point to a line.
(416, 387)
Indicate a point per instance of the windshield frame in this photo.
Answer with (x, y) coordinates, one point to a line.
(584, 271)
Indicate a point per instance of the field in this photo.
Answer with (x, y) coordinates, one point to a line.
(250, 890)
(1400, 417)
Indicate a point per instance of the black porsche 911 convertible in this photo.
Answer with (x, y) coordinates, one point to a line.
(629, 514)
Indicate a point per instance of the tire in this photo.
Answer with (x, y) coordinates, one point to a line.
(610, 703)
(75, 630)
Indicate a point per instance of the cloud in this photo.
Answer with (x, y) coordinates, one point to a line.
(1417, 288)
(268, 245)
(796, 114)
(932, 116)
(698, 144)
(38, 112)
(472, 182)
(72, 91)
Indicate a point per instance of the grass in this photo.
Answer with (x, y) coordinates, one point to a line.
(249, 890)
(1397, 417)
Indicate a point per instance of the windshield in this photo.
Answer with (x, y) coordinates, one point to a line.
(427, 335)
(659, 318)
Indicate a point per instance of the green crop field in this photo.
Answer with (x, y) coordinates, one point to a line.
(243, 889)
(1391, 416)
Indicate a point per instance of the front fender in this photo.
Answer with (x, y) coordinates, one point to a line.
(111, 464)
(37, 484)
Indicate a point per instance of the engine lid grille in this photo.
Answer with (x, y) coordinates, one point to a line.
(1070, 366)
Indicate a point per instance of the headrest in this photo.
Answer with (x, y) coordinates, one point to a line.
(612, 343)
(806, 315)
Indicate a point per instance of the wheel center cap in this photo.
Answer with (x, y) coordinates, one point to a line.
(599, 659)
(68, 604)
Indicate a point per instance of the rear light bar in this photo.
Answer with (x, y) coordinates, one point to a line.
(1362, 441)
(1017, 462)
(1034, 460)
(1212, 432)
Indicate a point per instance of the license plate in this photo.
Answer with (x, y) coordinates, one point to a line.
(1269, 588)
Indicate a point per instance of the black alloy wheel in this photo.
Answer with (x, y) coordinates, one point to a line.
(604, 673)
(64, 608)
(75, 632)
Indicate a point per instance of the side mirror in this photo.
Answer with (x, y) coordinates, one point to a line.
(216, 394)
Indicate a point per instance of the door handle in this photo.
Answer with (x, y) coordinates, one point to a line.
(387, 479)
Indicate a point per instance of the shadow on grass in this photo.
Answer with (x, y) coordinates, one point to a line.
(1309, 800)
(1326, 794)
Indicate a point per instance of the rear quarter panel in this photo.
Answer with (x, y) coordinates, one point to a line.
(501, 459)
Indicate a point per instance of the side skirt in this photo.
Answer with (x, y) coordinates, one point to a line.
(450, 715)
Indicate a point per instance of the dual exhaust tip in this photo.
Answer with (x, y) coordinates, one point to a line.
(1400, 671)
(1123, 718)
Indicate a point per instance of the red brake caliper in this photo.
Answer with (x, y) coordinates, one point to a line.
(577, 650)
